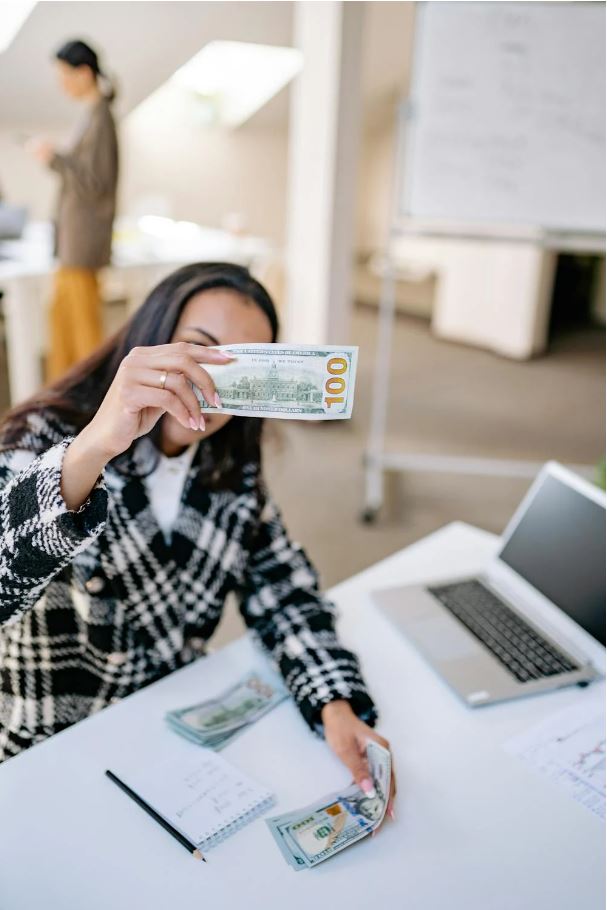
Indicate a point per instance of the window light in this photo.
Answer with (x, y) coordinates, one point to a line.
(238, 78)
(12, 17)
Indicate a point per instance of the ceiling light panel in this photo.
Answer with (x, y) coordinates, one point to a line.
(238, 77)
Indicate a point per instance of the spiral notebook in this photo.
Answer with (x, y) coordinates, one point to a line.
(199, 793)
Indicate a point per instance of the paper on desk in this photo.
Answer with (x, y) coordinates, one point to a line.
(569, 748)
(198, 792)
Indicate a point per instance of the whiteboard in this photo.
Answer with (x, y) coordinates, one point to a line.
(506, 120)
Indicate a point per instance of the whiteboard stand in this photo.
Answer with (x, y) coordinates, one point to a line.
(378, 461)
(376, 458)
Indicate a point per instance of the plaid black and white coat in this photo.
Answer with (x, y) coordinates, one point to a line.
(95, 604)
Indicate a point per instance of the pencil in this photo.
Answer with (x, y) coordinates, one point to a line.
(190, 847)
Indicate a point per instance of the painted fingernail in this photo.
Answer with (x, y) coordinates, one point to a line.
(193, 424)
(367, 787)
(217, 400)
(202, 423)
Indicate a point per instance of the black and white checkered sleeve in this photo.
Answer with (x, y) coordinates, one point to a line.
(282, 604)
(39, 536)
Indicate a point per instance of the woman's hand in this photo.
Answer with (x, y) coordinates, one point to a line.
(41, 149)
(150, 382)
(347, 735)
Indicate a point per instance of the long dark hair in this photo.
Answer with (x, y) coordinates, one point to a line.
(75, 398)
(79, 53)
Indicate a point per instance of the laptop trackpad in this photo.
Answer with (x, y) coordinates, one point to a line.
(440, 638)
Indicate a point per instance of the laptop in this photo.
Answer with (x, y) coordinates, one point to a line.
(534, 620)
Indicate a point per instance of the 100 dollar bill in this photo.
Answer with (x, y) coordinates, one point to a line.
(216, 721)
(309, 836)
(300, 382)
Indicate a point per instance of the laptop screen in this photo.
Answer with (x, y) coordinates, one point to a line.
(559, 548)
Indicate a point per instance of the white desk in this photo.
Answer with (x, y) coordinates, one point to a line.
(139, 262)
(475, 830)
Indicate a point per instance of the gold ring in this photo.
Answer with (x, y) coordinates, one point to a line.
(163, 379)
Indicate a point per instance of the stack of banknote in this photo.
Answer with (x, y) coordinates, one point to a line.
(300, 382)
(309, 836)
(216, 722)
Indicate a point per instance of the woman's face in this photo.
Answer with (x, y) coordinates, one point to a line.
(74, 81)
(218, 316)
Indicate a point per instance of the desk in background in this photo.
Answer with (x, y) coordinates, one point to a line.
(476, 829)
(140, 259)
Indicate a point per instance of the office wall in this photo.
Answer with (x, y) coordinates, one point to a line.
(22, 180)
(204, 173)
(207, 173)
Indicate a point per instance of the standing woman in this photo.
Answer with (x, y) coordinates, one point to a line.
(85, 211)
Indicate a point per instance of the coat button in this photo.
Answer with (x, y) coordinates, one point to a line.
(117, 658)
(198, 645)
(94, 585)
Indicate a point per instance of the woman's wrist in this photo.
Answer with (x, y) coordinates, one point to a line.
(335, 709)
(88, 447)
(83, 462)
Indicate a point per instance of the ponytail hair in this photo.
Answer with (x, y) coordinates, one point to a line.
(79, 53)
(108, 86)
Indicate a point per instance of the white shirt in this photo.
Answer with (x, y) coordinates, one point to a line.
(165, 488)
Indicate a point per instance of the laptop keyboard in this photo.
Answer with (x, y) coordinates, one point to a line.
(522, 650)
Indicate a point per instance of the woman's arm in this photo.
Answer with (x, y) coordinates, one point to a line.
(54, 508)
(39, 534)
(282, 604)
(83, 464)
(93, 164)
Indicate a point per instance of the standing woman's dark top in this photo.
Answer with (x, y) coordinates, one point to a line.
(87, 199)
(85, 210)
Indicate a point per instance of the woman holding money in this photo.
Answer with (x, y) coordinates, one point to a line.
(128, 517)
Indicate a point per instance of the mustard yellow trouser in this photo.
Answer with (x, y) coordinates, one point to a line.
(75, 319)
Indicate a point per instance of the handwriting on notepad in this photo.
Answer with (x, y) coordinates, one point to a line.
(218, 788)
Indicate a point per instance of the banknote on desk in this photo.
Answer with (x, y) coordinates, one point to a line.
(216, 722)
(309, 836)
(299, 382)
